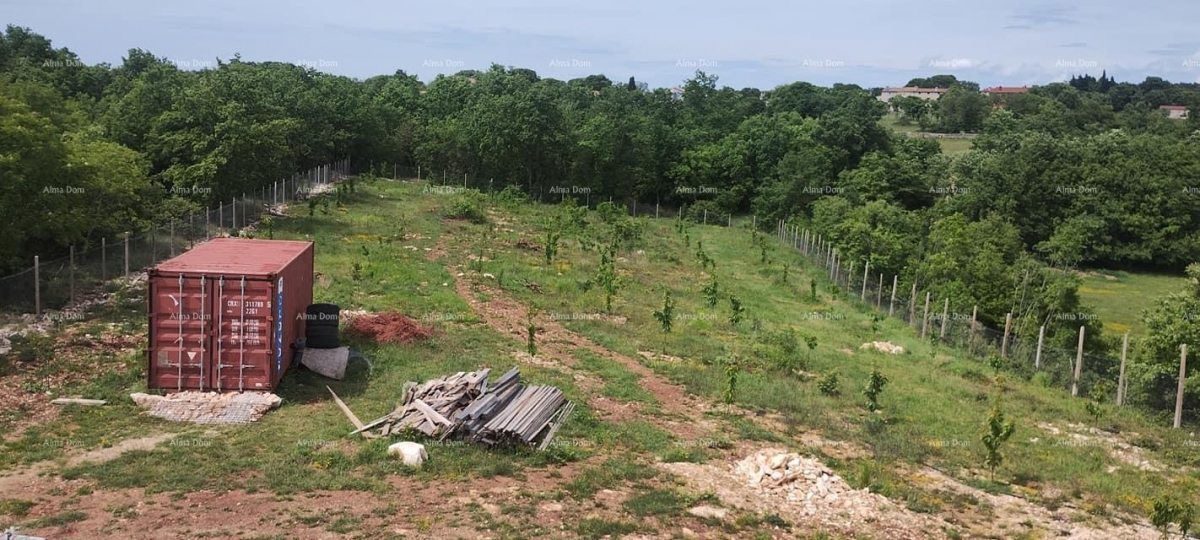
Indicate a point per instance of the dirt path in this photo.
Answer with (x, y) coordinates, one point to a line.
(30, 479)
(1010, 515)
(683, 413)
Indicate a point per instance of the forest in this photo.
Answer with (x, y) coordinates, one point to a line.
(1087, 173)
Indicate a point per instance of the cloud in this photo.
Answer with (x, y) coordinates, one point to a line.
(1177, 49)
(1039, 17)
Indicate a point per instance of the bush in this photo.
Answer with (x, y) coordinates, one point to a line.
(829, 384)
(696, 213)
(511, 195)
(467, 205)
(31, 348)
(611, 212)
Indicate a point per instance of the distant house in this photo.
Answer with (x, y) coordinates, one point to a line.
(676, 93)
(1005, 90)
(999, 94)
(1175, 112)
(924, 93)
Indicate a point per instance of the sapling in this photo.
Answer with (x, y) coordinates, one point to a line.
(1098, 395)
(666, 315)
(736, 310)
(711, 292)
(785, 274)
(828, 385)
(996, 432)
(812, 290)
(607, 275)
(530, 334)
(874, 388)
(551, 246)
(732, 367)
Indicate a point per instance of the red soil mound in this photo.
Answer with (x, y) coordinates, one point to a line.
(390, 327)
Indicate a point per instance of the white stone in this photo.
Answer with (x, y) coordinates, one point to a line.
(412, 453)
(705, 511)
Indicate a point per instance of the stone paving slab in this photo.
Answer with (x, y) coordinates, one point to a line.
(209, 407)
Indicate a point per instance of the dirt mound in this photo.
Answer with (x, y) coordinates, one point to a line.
(391, 327)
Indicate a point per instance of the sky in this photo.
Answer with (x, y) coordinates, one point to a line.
(748, 43)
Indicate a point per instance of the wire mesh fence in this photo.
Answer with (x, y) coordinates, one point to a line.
(949, 323)
(54, 283)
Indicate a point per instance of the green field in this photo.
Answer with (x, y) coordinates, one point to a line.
(1119, 298)
(949, 146)
(390, 248)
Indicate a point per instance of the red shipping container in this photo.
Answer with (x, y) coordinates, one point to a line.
(223, 315)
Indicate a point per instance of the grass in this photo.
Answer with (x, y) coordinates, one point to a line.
(950, 147)
(1119, 302)
(933, 407)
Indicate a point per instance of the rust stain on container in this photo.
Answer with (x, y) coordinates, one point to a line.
(224, 314)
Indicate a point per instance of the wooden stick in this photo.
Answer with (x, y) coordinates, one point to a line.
(346, 410)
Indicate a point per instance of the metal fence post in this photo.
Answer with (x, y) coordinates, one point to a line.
(103, 259)
(126, 253)
(220, 217)
(37, 286)
(172, 238)
(912, 305)
(879, 294)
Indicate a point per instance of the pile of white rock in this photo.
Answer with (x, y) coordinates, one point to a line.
(800, 478)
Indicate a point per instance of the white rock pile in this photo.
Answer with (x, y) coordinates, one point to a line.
(883, 347)
(796, 477)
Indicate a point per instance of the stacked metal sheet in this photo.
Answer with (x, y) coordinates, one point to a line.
(465, 404)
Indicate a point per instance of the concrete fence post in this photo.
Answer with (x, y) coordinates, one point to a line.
(37, 286)
(945, 317)
(1179, 390)
(1121, 376)
(126, 253)
(925, 315)
(912, 306)
(892, 304)
(1078, 363)
(866, 268)
(1037, 357)
(1004, 340)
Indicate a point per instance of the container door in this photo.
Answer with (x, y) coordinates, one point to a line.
(243, 346)
(180, 332)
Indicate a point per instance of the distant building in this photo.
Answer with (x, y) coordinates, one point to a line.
(1175, 112)
(676, 93)
(924, 93)
(999, 94)
(1005, 90)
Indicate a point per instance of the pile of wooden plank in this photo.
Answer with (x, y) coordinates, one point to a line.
(467, 406)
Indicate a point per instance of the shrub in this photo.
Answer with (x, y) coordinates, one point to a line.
(511, 195)
(696, 212)
(611, 212)
(874, 388)
(467, 205)
(829, 384)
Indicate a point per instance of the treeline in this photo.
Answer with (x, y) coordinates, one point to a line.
(1085, 105)
(1080, 181)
